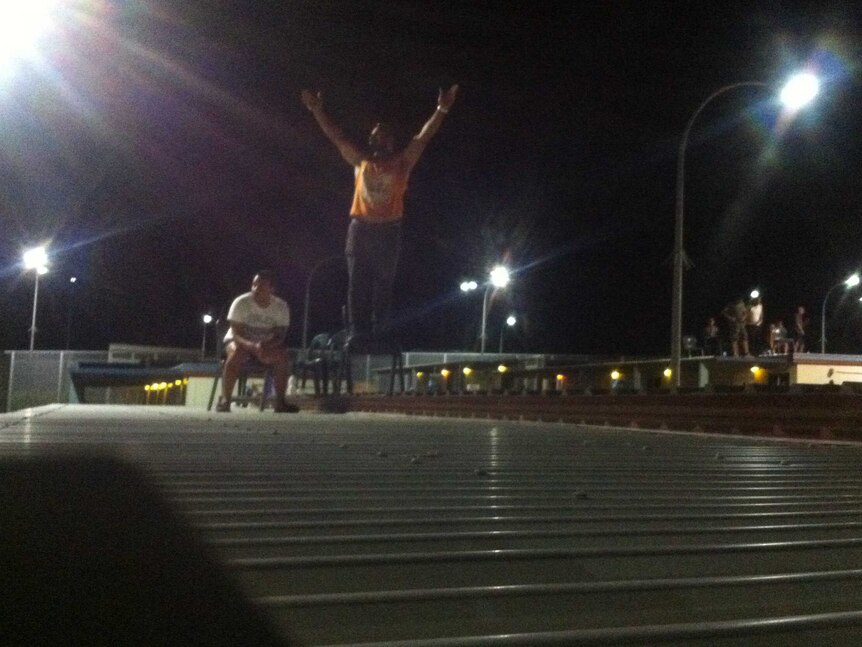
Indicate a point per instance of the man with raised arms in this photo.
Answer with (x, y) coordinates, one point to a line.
(374, 235)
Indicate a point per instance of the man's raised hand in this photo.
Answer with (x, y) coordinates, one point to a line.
(311, 100)
(446, 98)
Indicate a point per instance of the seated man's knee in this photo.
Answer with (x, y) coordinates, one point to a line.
(275, 356)
(235, 356)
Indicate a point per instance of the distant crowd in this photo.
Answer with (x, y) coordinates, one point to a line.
(741, 331)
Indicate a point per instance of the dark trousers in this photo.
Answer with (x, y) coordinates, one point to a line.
(755, 339)
(372, 257)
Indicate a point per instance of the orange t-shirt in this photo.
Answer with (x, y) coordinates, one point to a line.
(380, 189)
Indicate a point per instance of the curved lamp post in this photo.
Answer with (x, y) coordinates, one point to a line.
(73, 280)
(207, 319)
(311, 274)
(511, 320)
(798, 91)
(35, 259)
(498, 278)
(851, 281)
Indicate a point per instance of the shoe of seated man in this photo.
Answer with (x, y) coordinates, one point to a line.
(223, 407)
(286, 407)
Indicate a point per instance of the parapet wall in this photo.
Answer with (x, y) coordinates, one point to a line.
(827, 416)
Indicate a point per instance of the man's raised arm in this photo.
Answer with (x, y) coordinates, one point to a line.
(314, 103)
(417, 145)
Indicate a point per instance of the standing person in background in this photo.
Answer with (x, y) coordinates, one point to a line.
(373, 244)
(734, 313)
(754, 325)
(801, 320)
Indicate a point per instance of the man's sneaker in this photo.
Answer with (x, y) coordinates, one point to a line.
(223, 407)
(286, 407)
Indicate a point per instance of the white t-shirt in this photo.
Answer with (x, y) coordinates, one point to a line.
(755, 315)
(259, 321)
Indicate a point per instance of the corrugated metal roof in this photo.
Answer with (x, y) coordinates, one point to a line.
(376, 530)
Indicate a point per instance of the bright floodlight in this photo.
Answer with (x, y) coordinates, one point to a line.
(511, 320)
(755, 294)
(208, 319)
(800, 90)
(22, 22)
(852, 280)
(36, 259)
(499, 276)
(467, 286)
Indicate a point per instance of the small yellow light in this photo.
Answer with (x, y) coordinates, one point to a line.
(185, 380)
(420, 374)
(146, 387)
(502, 368)
(154, 386)
(467, 370)
(445, 372)
(755, 369)
(561, 378)
(615, 375)
(163, 386)
(178, 382)
(667, 373)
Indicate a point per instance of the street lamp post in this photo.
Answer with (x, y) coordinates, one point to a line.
(798, 91)
(851, 281)
(311, 274)
(72, 281)
(499, 278)
(35, 259)
(511, 320)
(207, 319)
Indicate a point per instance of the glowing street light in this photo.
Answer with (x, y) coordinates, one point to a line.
(755, 294)
(22, 24)
(797, 92)
(35, 259)
(499, 276)
(850, 282)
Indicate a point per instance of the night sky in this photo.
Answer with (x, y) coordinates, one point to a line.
(163, 151)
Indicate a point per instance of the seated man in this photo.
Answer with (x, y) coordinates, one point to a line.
(258, 325)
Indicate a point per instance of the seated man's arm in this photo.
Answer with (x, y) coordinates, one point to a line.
(276, 338)
(241, 337)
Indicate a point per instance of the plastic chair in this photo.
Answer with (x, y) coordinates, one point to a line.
(316, 360)
(689, 344)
